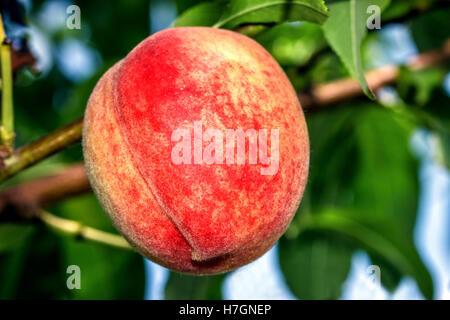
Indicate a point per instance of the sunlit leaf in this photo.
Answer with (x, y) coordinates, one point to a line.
(272, 11)
(345, 31)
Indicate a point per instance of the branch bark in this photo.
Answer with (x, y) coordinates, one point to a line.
(25, 200)
(40, 149)
(346, 89)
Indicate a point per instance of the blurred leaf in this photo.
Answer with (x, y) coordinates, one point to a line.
(33, 271)
(400, 8)
(423, 96)
(272, 11)
(378, 239)
(417, 87)
(315, 265)
(11, 265)
(363, 184)
(390, 275)
(345, 30)
(293, 43)
(443, 152)
(327, 67)
(37, 269)
(203, 14)
(13, 236)
(183, 5)
(430, 30)
(106, 272)
(106, 21)
(187, 287)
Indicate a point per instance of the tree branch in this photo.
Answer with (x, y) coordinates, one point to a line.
(79, 231)
(26, 199)
(40, 149)
(24, 202)
(346, 89)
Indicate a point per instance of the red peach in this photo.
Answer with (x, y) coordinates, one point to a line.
(195, 216)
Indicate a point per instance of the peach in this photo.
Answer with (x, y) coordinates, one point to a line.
(193, 215)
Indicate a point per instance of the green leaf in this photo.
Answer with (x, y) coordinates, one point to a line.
(363, 185)
(272, 11)
(38, 267)
(187, 287)
(106, 272)
(400, 8)
(183, 5)
(33, 270)
(315, 265)
(345, 31)
(417, 87)
(374, 237)
(11, 264)
(443, 145)
(431, 30)
(391, 276)
(203, 14)
(424, 98)
(293, 44)
(13, 236)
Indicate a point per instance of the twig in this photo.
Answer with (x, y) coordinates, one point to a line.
(79, 231)
(24, 202)
(41, 149)
(27, 198)
(345, 89)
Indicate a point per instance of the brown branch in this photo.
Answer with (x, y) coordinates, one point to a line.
(40, 149)
(319, 97)
(346, 89)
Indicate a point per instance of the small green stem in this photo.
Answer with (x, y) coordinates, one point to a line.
(7, 123)
(77, 230)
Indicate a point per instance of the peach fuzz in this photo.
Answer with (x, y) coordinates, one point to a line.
(204, 218)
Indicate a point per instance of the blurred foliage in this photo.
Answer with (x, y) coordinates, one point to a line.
(315, 264)
(433, 23)
(238, 12)
(187, 287)
(363, 187)
(422, 95)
